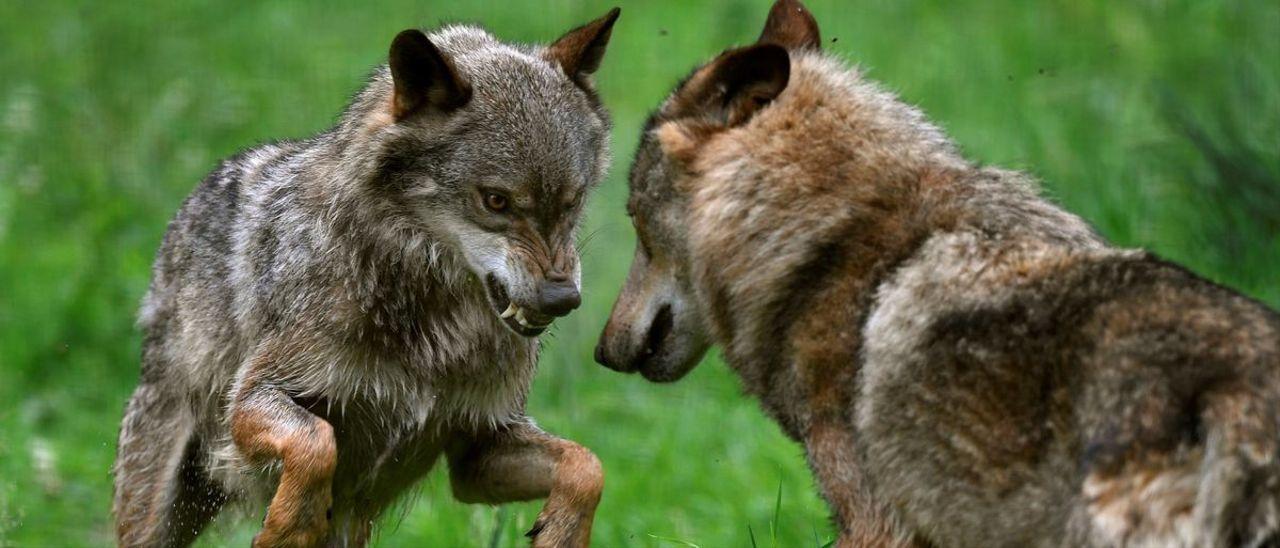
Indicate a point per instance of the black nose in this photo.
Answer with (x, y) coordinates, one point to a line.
(604, 358)
(557, 298)
(600, 359)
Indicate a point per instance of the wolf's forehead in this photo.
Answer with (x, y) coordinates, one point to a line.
(521, 84)
(458, 39)
(537, 125)
(490, 64)
(537, 117)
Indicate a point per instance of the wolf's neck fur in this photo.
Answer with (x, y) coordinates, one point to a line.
(341, 184)
(801, 214)
(400, 295)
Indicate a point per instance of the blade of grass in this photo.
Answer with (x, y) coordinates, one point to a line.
(777, 511)
(673, 540)
(499, 526)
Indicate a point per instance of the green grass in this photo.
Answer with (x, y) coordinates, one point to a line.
(1159, 121)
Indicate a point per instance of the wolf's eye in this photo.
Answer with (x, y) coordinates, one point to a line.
(495, 202)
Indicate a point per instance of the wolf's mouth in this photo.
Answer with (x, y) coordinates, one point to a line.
(523, 321)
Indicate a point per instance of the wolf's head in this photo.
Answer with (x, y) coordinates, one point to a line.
(763, 170)
(657, 325)
(490, 149)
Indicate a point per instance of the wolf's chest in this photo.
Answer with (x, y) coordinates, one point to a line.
(408, 390)
(393, 419)
(378, 459)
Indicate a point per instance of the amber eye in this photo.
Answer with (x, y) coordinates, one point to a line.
(495, 202)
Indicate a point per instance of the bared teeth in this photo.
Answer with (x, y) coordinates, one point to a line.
(518, 313)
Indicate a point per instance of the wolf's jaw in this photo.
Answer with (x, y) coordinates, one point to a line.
(523, 326)
(521, 317)
(524, 322)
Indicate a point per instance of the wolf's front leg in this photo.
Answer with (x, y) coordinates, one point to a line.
(521, 462)
(863, 522)
(266, 424)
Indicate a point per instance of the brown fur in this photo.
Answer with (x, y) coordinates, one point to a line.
(965, 363)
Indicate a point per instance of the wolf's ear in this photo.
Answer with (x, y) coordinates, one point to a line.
(424, 78)
(728, 91)
(791, 26)
(580, 50)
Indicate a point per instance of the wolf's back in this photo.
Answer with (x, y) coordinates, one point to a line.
(199, 275)
(1180, 432)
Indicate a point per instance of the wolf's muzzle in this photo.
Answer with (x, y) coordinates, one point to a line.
(617, 351)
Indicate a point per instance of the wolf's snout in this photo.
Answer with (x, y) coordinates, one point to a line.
(606, 352)
(619, 353)
(604, 357)
(600, 358)
(558, 298)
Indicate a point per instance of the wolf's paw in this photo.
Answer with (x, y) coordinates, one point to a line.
(558, 531)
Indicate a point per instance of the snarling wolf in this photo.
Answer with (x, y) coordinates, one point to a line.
(965, 363)
(328, 317)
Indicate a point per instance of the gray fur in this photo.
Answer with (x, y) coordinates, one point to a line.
(363, 251)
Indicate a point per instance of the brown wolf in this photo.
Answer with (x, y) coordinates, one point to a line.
(965, 363)
(328, 317)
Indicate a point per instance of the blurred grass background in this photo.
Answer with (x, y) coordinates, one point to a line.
(1157, 120)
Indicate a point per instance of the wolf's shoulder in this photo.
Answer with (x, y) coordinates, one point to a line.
(223, 190)
(202, 230)
(252, 166)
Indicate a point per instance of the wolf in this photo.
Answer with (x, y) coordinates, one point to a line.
(964, 362)
(329, 317)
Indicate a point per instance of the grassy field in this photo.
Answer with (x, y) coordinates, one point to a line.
(1158, 120)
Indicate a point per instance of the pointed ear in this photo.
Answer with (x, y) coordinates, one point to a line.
(791, 26)
(424, 78)
(580, 50)
(728, 91)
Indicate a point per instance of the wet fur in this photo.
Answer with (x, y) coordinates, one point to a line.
(965, 363)
(313, 340)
